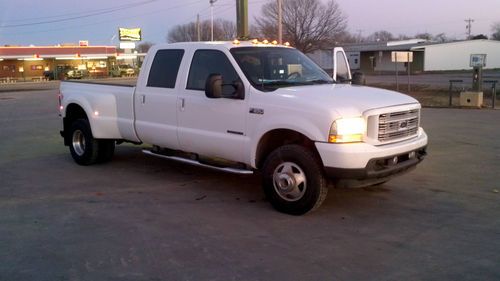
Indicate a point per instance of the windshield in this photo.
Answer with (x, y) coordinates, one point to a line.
(274, 67)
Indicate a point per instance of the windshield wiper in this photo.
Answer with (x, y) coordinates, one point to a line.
(319, 81)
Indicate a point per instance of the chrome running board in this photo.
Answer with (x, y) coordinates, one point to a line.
(197, 163)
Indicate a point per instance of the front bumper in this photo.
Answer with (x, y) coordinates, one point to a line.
(381, 168)
(368, 164)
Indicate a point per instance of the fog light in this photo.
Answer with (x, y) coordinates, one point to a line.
(393, 161)
(411, 155)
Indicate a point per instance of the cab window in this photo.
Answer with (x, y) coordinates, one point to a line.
(206, 62)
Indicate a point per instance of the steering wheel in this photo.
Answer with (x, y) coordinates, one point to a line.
(293, 75)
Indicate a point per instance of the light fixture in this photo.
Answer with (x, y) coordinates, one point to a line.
(347, 130)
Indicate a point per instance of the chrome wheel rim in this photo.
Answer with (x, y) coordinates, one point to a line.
(78, 142)
(289, 181)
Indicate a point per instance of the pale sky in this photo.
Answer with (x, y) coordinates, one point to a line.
(45, 22)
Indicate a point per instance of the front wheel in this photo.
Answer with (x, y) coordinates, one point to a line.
(293, 180)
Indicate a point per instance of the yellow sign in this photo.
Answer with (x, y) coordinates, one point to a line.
(130, 34)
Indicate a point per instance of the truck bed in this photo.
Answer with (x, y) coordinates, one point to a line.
(125, 82)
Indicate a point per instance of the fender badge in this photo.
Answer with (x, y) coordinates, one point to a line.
(256, 111)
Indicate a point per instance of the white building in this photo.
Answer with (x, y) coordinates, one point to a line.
(456, 55)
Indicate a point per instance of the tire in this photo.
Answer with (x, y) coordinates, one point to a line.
(105, 151)
(293, 180)
(83, 147)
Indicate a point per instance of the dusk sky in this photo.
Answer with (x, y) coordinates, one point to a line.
(27, 22)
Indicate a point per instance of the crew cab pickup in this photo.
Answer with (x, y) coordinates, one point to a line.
(242, 107)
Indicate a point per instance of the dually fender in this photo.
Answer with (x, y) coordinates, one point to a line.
(102, 117)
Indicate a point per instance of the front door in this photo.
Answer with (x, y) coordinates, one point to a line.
(212, 127)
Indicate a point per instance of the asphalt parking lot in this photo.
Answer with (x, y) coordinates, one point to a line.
(142, 218)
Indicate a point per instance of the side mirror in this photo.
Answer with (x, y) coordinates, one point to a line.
(213, 86)
(358, 78)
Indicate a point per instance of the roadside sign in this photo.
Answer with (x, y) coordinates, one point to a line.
(130, 34)
(127, 45)
(477, 60)
(402, 56)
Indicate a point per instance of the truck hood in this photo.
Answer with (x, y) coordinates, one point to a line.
(347, 100)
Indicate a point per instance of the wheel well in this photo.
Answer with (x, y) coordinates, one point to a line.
(73, 113)
(279, 137)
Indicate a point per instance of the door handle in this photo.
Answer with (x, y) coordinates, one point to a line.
(143, 99)
(182, 103)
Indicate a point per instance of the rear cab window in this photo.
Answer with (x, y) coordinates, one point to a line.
(165, 68)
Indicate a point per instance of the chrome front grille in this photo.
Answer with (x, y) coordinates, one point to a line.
(398, 125)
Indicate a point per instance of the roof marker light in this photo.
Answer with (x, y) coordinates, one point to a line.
(265, 41)
(287, 44)
(274, 42)
(236, 42)
(255, 41)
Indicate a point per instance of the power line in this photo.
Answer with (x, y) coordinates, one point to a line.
(131, 5)
(108, 20)
(79, 17)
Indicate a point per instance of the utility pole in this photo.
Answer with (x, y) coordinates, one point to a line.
(242, 19)
(469, 22)
(360, 33)
(212, 19)
(280, 21)
(198, 33)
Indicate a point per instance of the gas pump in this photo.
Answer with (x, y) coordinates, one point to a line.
(474, 98)
(477, 78)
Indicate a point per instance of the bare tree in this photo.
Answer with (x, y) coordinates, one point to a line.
(144, 47)
(440, 38)
(309, 25)
(426, 36)
(381, 36)
(495, 28)
(347, 38)
(223, 30)
(403, 37)
(479, 36)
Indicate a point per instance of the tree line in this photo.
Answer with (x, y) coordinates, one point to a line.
(308, 25)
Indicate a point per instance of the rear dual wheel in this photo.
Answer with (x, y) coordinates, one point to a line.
(86, 150)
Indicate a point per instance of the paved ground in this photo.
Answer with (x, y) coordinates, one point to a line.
(141, 218)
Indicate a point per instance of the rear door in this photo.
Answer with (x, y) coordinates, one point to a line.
(156, 98)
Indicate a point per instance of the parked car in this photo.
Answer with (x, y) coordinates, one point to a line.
(76, 74)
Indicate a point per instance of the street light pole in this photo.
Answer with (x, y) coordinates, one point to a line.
(212, 19)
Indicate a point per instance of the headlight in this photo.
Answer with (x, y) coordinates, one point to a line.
(347, 130)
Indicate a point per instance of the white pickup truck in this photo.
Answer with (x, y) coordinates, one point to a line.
(242, 107)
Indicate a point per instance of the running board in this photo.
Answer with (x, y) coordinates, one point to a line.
(197, 163)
